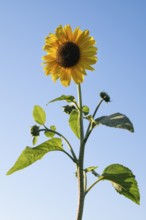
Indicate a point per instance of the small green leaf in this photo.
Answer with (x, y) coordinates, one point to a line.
(123, 181)
(90, 169)
(50, 134)
(34, 140)
(31, 155)
(39, 115)
(53, 127)
(68, 98)
(116, 120)
(75, 123)
(85, 110)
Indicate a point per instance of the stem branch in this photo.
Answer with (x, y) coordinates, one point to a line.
(92, 186)
(88, 132)
(74, 158)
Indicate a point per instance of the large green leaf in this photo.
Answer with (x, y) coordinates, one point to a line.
(31, 155)
(39, 115)
(116, 120)
(74, 122)
(123, 181)
(68, 98)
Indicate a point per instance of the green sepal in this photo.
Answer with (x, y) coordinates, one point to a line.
(67, 98)
(74, 122)
(116, 120)
(85, 110)
(39, 115)
(34, 140)
(50, 134)
(123, 181)
(31, 155)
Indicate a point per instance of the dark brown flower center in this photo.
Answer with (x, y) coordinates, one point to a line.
(68, 54)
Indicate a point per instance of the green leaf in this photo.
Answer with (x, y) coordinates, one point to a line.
(116, 120)
(39, 115)
(90, 169)
(75, 123)
(50, 134)
(68, 98)
(31, 155)
(85, 110)
(123, 181)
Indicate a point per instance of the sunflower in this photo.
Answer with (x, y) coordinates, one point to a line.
(69, 54)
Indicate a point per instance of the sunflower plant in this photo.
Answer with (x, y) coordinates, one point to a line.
(69, 55)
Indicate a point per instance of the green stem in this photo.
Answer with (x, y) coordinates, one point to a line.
(88, 132)
(97, 108)
(92, 186)
(69, 155)
(80, 167)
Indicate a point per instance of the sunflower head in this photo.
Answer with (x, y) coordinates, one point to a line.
(69, 54)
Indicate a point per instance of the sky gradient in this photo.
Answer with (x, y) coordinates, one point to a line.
(48, 188)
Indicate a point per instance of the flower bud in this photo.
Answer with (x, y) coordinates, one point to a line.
(68, 108)
(105, 96)
(35, 130)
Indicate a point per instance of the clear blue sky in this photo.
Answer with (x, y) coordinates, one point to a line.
(48, 188)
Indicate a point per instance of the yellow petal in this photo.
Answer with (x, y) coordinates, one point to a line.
(87, 66)
(82, 36)
(87, 43)
(89, 60)
(75, 34)
(55, 77)
(68, 32)
(60, 34)
(77, 76)
(65, 78)
(47, 70)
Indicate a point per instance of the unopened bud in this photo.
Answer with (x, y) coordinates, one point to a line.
(68, 108)
(35, 130)
(105, 96)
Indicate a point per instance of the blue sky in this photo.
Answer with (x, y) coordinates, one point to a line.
(48, 188)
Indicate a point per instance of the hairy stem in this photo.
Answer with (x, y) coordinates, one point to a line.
(80, 167)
